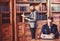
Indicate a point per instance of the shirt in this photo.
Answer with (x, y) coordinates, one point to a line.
(46, 30)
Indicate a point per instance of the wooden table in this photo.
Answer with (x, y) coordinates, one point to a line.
(46, 40)
(51, 40)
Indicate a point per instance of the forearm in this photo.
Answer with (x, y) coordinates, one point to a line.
(47, 36)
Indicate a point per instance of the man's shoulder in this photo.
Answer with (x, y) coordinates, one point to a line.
(45, 24)
(54, 25)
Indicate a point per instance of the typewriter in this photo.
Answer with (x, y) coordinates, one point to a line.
(47, 36)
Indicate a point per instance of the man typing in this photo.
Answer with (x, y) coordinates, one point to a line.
(49, 30)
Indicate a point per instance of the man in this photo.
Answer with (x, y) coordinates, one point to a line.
(32, 20)
(49, 29)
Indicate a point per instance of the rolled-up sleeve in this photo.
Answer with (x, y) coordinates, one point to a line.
(56, 32)
(42, 29)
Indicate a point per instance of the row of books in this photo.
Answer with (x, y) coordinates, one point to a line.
(33, 0)
(22, 7)
(26, 7)
(5, 18)
(55, 7)
(55, 0)
(3, 8)
(56, 16)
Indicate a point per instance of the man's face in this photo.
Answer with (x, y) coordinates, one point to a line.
(32, 8)
(49, 21)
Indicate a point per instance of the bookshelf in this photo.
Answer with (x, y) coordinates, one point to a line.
(55, 12)
(6, 20)
(23, 7)
(13, 25)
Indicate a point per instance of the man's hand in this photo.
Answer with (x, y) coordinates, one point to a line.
(42, 35)
(23, 15)
(27, 19)
(52, 34)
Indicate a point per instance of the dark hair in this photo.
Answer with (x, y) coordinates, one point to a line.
(51, 18)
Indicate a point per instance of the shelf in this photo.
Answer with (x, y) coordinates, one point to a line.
(55, 11)
(6, 18)
(5, 12)
(6, 23)
(42, 11)
(39, 12)
(29, 2)
(22, 12)
(32, 1)
(4, 0)
(55, 3)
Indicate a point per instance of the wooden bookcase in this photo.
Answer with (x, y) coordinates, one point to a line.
(6, 20)
(15, 28)
(55, 12)
(22, 29)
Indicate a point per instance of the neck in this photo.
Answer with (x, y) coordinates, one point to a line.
(49, 24)
(33, 10)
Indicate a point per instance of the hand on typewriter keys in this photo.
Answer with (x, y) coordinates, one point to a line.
(47, 36)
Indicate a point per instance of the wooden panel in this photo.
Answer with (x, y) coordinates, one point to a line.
(6, 32)
(23, 32)
(4, 0)
(20, 32)
(0, 19)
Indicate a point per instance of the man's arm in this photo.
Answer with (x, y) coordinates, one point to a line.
(42, 29)
(47, 36)
(41, 33)
(56, 31)
(33, 16)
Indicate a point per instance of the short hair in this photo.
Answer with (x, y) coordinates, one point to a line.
(51, 18)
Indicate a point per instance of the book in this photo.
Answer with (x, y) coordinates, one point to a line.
(22, 7)
(56, 16)
(55, 7)
(55, 0)
(44, 7)
(42, 16)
